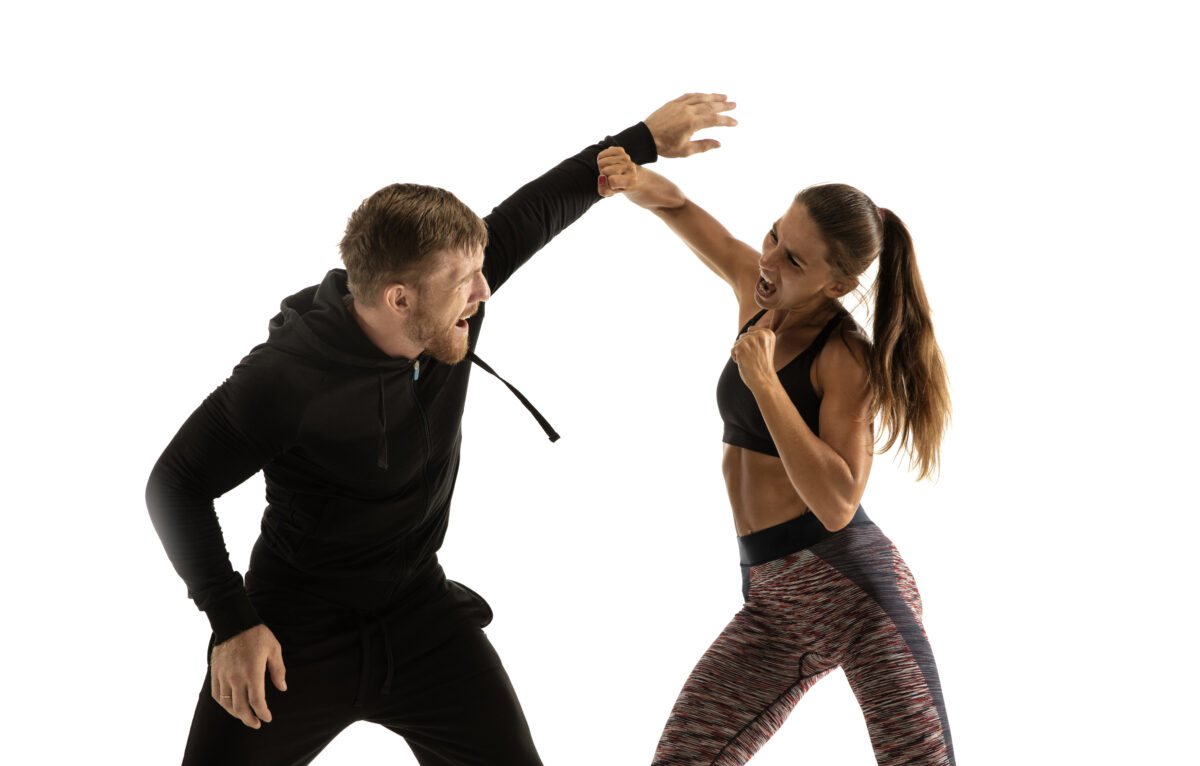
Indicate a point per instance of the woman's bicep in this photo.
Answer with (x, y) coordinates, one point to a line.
(845, 415)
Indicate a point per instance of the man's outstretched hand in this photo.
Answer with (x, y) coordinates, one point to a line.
(239, 667)
(673, 123)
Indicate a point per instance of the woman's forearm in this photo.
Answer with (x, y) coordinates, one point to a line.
(820, 476)
(655, 193)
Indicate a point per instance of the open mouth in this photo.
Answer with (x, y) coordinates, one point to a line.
(461, 324)
(765, 287)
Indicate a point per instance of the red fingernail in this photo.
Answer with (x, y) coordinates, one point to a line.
(603, 180)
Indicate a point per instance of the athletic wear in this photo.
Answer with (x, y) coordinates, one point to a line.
(815, 600)
(844, 598)
(453, 704)
(744, 424)
(360, 453)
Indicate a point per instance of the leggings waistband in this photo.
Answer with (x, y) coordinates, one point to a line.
(792, 535)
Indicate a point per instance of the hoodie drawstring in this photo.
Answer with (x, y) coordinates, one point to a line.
(550, 432)
(382, 459)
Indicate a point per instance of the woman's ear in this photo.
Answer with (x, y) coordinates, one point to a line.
(840, 287)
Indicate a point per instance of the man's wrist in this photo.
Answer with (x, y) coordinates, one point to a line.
(231, 616)
(639, 142)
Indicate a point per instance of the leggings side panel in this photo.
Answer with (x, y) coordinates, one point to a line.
(890, 666)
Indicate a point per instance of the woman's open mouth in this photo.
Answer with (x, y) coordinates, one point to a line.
(765, 287)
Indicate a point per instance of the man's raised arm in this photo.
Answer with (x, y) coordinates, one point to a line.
(534, 214)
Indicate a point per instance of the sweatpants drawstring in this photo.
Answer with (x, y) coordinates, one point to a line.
(365, 622)
(387, 649)
(366, 663)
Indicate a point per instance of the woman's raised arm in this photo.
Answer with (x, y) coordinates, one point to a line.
(731, 259)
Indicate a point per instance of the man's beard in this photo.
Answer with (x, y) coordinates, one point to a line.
(445, 344)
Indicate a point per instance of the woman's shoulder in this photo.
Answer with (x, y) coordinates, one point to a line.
(844, 361)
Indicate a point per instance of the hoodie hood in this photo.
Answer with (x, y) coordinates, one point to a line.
(316, 323)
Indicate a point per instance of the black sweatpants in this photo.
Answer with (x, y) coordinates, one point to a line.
(452, 702)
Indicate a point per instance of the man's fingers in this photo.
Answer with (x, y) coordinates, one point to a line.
(258, 702)
(241, 709)
(278, 671)
(714, 120)
(697, 98)
(702, 145)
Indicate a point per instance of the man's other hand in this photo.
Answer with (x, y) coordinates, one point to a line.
(239, 666)
(673, 123)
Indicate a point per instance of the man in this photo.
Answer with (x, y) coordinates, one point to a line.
(353, 410)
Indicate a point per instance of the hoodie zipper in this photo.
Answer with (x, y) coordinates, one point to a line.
(425, 427)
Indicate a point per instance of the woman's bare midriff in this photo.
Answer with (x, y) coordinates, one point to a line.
(759, 490)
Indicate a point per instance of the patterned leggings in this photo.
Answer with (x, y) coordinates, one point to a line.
(843, 598)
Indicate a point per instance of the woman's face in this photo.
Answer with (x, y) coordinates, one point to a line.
(793, 270)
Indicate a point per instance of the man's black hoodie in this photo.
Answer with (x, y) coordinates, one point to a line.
(360, 450)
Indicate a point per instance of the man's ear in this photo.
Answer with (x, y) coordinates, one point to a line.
(399, 298)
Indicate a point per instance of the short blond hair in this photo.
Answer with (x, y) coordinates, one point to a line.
(390, 235)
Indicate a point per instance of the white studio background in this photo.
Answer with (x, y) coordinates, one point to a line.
(171, 172)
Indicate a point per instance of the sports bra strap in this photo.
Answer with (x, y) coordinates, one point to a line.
(751, 321)
(819, 342)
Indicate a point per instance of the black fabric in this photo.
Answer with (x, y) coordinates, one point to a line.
(744, 424)
(359, 452)
(793, 535)
(452, 702)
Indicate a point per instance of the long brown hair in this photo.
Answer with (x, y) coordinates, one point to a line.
(911, 397)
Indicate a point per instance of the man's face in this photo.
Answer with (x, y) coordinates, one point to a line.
(450, 292)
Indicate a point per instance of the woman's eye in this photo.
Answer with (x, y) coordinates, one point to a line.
(774, 237)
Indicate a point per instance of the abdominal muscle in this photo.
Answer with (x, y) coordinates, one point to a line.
(759, 490)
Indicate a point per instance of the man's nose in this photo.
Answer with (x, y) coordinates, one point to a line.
(482, 291)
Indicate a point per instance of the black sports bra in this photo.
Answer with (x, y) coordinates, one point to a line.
(744, 425)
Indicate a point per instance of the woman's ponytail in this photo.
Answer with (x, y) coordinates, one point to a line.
(908, 374)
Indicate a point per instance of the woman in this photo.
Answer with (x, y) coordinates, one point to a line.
(823, 586)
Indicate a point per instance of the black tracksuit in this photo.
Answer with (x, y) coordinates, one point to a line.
(360, 453)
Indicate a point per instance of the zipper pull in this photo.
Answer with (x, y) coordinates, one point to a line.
(416, 369)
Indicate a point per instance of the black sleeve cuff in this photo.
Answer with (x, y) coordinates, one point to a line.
(638, 141)
(231, 616)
